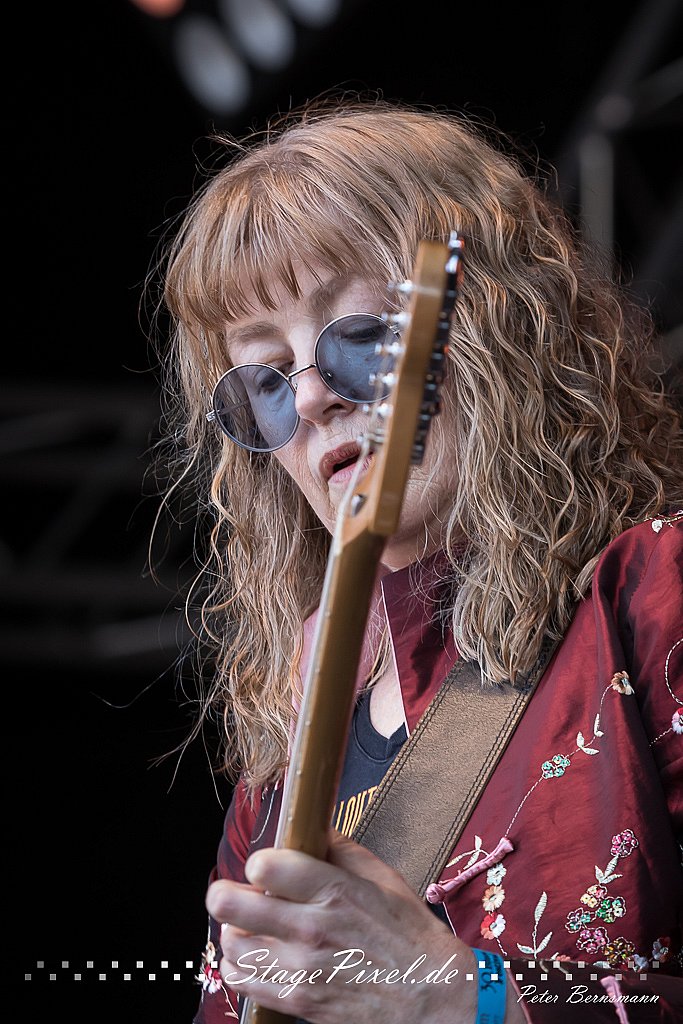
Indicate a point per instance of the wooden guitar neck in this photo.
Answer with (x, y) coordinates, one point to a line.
(369, 517)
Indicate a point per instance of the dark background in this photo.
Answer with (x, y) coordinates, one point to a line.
(109, 848)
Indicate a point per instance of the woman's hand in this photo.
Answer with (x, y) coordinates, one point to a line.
(339, 940)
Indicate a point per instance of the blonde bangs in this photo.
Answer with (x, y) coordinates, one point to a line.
(257, 232)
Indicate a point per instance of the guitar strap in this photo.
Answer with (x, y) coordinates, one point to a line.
(441, 770)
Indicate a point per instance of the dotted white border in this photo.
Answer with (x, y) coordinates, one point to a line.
(111, 970)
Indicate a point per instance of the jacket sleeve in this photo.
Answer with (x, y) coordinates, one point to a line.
(572, 992)
(218, 1004)
(655, 620)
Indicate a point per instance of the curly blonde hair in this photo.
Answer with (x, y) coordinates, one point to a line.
(554, 414)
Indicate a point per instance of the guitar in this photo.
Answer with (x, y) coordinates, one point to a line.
(368, 516)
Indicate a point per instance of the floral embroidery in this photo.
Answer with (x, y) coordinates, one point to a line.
(660, 949)
(677, 717)
(598, 906)
(209, 975)
(576, 919)
(624, 844)
(493, 897)
(620, 683)
(492, 926)
(592, 940)
(597, 903)
(659, 521)
(610, 909)
(496, 874)
(618, 952)
(535, 948)
(556, 767)
(594, 895)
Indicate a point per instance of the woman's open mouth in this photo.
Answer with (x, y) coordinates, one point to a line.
(344, 470)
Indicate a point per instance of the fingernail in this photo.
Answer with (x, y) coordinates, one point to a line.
(251, 868)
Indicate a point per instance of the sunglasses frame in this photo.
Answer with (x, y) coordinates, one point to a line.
(214, 417)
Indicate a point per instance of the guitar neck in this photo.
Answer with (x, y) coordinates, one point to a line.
(325, 714)
(326, 710)
(324, 717)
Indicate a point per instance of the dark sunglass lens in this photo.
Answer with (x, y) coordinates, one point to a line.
(347, 358)
(255, 406)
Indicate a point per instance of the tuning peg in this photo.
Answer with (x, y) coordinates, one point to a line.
(396, 320)
(404, 287)
(456, 243)
(384, 378)
(395, 349)
(453, 260)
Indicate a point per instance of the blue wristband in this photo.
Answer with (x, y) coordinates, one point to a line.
(492, 985)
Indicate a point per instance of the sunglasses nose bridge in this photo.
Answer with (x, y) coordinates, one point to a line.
(290, 376)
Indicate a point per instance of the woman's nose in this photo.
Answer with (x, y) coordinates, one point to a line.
(314, 400)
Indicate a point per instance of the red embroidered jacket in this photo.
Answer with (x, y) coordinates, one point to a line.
(588, 792)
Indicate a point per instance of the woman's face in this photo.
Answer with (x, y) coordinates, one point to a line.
(317, 456)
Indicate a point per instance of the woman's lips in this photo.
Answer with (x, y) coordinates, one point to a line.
(342, 453)
(342, 476)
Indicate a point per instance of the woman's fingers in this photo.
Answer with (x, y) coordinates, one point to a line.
(303, 879)
(351, 878)
(248, 910)
(296, 907)
(336, 938)
(300, 878)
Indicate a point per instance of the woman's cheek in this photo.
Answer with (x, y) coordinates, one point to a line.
(296, 465)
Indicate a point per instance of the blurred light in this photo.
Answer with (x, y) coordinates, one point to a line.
(263, 32)
(223, 49)
(211, 69)
(160, 8)
(613, 112)
(316, 13)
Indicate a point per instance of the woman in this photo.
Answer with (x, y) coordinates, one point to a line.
(548, 505)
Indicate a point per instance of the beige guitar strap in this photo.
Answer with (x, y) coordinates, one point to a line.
(440, 772)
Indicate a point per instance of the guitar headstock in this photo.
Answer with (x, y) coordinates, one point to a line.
(415, 368)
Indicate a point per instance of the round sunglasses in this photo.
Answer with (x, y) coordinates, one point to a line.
(255, 404)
